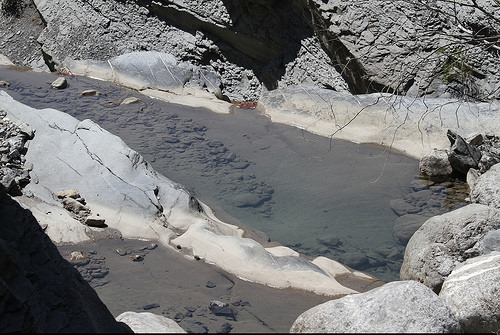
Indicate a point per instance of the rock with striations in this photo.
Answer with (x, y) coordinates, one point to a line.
(41, 292)
(472, 291)
(486, 189)
(446, 240)
(396, 307)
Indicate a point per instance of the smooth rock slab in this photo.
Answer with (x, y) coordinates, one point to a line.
(396, 307)
(146, 322)
(472, 291)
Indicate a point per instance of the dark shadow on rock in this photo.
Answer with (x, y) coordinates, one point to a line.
(42, 292)
(264, 36)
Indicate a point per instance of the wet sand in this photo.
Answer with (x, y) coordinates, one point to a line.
(167, 283)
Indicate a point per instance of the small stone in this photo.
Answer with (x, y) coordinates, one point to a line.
(137, 258)
(78, 257)
(88, 93)
(220, 308)
(59, 83)
(74, 206)
(71, 193)
(121, 252)
(95, 221)
(150, 306)
(130, 100)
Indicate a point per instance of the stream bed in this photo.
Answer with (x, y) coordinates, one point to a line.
(357, 204)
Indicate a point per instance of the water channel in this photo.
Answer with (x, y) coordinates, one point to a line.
(349, 202)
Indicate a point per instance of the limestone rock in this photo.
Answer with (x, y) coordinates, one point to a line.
(486, 190)
(146, 322)
(472, 291)
(59, 83)
(435, 164)
(396, 307)
(446, 240)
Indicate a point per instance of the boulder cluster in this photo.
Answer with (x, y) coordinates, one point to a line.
(13, 137)
(465, 157)
(449, 277)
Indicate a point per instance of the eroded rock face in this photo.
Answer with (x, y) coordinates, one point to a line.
(446, 240)
(396, 307)
(41, 292)
(472, 292)
(355, 45)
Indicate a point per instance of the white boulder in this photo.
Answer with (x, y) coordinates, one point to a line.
(396, 307)
(472, 291)
(146, 322)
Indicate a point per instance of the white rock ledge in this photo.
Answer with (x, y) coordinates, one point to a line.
(121, 187)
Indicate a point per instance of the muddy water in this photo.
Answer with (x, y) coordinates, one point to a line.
(349, 202)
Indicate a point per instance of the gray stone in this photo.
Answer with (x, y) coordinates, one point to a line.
(95, 221)
(486, 190)
(472, 291)
(446, 240)
(146, 322)
(59, 83)
(462, 156)
(75, 206)
(396, 307)
(88, 93)
(435, 164)
(130, 100)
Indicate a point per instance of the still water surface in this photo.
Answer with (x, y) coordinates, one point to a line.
(319, 197)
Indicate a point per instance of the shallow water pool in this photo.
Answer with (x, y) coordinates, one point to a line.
(353, 203)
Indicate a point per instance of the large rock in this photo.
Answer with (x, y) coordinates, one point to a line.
(146, 322)
(463, 156)
(446, 240)
(41, 292)
(486, 189)
(472, 291)
(396, 307)
(435, 164)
